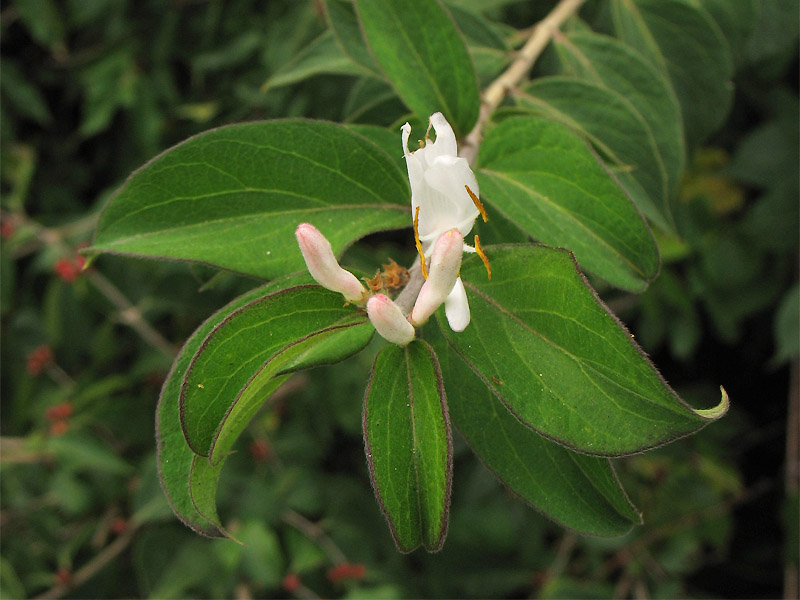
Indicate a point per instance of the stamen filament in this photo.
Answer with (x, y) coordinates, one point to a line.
(478, 203)
(419, 244)
(480, 252)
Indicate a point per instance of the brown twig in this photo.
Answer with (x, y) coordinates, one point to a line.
(130, 314)
(315, 533)
(491, 98)
(91, 568)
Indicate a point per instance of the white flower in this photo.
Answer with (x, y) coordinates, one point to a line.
(324, 267)
(444, 199)
(389, 320)
(439, 182)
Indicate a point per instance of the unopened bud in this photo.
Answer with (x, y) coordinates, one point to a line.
(442, 275)
(323, 266)
(389, 320)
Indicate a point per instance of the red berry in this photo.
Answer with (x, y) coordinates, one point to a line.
(63, 576)
(291, 582)
(119, 526)
(59, 427)
(59, 412)
(346, 571)
(38, 359)
(7, 229)
(260, 450)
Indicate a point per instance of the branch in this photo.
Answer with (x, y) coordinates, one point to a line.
(91, 568)
(130, 314)
(540, 36)
(315, 533)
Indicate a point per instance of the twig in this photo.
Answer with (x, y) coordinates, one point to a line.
(315, 533)
(790, 573)
(130, 314)
(491, 98)
(91, 568)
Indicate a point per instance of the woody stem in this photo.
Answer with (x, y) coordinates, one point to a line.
(539, 37)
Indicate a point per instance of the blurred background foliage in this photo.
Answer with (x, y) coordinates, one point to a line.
(91, 90)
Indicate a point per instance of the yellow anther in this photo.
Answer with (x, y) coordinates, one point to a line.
(480, 252)
(419, 244)
(478, 203)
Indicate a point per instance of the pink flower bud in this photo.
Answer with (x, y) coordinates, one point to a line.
(324, 267)
(389, 320)
(442, 275)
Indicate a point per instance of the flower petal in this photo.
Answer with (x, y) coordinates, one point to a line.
(456, 307)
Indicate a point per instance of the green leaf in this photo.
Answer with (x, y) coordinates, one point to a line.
(175, 459)
(561, 362)
(608, 120)
(540, 175)
(786, 326)
(605, 61)
(322, 56)
(373, 101)
(230, 375)
(232, 197)
(203, 480)
(43, 19)
(423, 55)
(81, 453)
(578, 491)
(23, 96)
(347, 32)
(408, 444)
(736, 20)
(685, 42)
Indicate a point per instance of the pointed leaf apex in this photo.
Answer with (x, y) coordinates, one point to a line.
(712, 414)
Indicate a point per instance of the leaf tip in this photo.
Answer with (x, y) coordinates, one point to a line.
(712, 414)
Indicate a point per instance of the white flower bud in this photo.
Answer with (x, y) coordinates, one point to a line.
(442, 276)
(324, 267)
(389, 320)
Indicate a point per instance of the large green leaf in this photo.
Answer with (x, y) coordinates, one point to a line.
(175, 458)
(232, 197)
(322, 56)
(579, 491)
(561, 362)
(543, 177)
(647, 91)
(686, 43)
(344, 25)
(616, 130)
(736, 20)
(408, 444)
(423, 55)
(229, 376)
